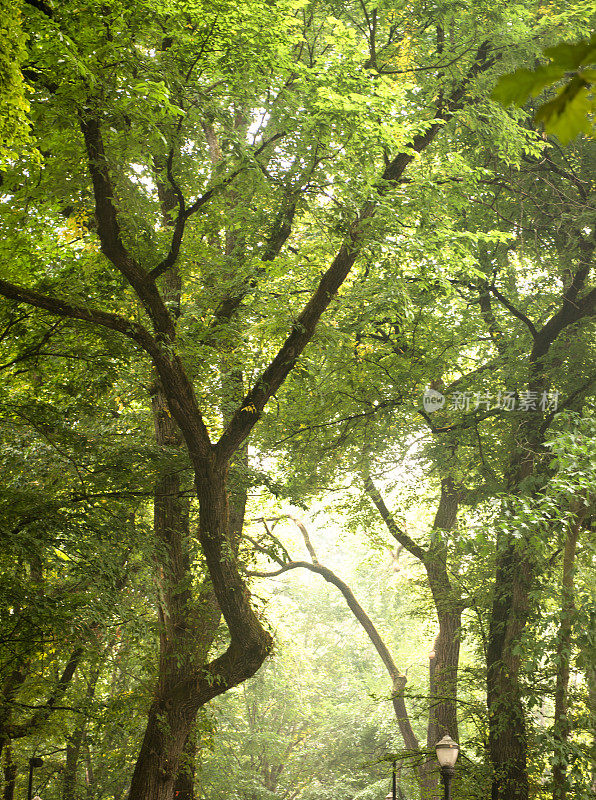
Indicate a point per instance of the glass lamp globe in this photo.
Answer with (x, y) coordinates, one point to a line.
(447, 751)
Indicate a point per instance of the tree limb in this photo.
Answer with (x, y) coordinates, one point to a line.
(398, 680)
(401, 536)
(18, 731)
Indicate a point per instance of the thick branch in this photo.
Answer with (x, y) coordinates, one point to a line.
(307, 542)
(515, 311)
(41, 6)
(303, 328)
(181, 397)
(571, 311)
(110, 234)
(62, 308)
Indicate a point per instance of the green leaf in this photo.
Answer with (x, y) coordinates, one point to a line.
(519, 85)
(570, 112)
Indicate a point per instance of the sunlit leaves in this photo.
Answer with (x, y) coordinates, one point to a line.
(571, 111)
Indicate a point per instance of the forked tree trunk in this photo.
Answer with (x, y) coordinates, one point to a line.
(183, 689)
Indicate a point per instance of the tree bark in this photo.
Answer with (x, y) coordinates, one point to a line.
(10, 774)
(562, 725)
(507, 727)
(73, 750)
(187, 630)
(444, 664)
(75, 741)
(185, 779)
(514, 573)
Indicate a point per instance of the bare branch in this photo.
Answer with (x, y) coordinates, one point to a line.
(515, 311)
(401, 536)
(398, 680)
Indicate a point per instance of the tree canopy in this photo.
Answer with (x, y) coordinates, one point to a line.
(297, 418)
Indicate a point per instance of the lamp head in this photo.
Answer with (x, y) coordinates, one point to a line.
(447, 751)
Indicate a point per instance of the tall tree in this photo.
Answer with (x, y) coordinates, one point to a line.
(247, 114)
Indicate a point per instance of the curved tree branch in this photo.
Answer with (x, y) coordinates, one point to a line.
(401, 536)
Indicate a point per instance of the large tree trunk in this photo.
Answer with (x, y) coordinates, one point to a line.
(185, 780)
(187, 630)
(507, 726)
(507, 738)
(169, 724)
(514, 563)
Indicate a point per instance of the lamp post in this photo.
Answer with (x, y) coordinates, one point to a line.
(36, 761)
(447, 752)
(393, 793)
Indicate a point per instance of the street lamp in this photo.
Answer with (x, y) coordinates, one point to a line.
(447, 752)
(36, 761)
(393, 793)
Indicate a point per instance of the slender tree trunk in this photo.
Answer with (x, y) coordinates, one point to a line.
(89, 771)
(75, 741)
(10, 774)
(426, 776)
(444, 661)
(444, 664)
(562, 727)
(73, 750)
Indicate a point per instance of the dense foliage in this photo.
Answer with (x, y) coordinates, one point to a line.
(297, 410)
